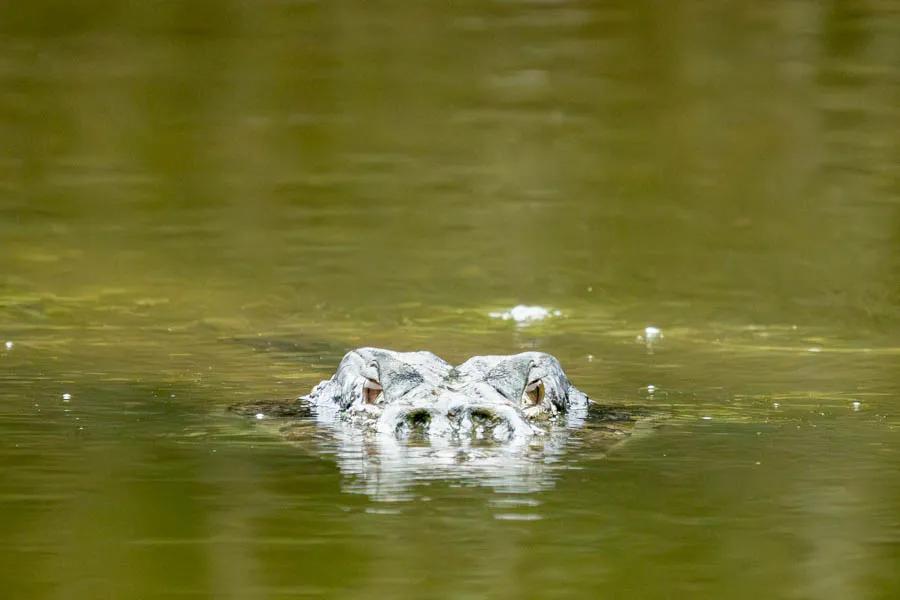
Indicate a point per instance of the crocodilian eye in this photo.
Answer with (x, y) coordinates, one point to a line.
(371, 391)
(534, 393)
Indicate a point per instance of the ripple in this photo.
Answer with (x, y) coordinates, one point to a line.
(517, 517)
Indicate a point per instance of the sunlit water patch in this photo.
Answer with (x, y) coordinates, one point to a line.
(522, 314)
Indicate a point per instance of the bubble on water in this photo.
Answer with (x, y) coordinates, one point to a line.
(651, 388)
(66, 397)
(590, 358)
(9, 345)
(856, 404)
(260, 416)
(650, 335)
(776, 404)
(525, 314)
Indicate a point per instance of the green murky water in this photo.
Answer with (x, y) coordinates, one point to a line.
(207, 203)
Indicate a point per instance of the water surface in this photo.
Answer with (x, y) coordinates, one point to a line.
(203, 204)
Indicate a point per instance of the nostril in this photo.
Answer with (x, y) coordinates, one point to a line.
(499, 422)
(488, 423)
(418, 418)
(414, 423)
(483, 417)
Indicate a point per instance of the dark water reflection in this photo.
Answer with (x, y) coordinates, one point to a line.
(207, 203)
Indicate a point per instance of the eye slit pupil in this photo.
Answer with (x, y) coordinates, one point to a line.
(371, 391)
(534, 393)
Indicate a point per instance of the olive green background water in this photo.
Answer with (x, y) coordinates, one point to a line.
(205, 203)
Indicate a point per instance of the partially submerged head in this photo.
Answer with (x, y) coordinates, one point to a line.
(418, 393)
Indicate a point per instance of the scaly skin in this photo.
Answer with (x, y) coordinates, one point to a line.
(405, 394)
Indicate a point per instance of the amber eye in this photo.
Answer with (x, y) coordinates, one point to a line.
(534, 393)
(371, 391)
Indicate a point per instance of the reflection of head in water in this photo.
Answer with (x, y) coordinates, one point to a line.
(385, 467)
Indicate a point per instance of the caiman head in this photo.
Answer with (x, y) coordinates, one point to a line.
(407, 394)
